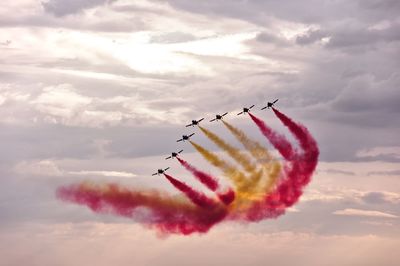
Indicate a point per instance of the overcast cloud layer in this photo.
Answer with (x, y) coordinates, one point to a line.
(101, 89)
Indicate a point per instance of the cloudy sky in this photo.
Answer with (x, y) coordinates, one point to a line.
(100, 90)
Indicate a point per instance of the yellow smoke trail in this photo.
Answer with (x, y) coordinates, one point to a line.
(258, 186)
(260, 180)
(235, 153)
(270, 166)
(237, 177)
(257, 150)
(248, 189)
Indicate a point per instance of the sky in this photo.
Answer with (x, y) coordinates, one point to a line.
(100, 90)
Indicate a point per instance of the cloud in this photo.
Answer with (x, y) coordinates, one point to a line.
(356, 212)
(38, 168)
(81, 243)
(102, 173)
(340, 172)
(387, 173)
(349, 37)
(62, 8)
(311, 37)
(393, 151)
(380, 197)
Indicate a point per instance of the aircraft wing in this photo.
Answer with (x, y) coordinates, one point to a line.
(179, 140)
(275, 101)
(200, 120)
(251, 106)
(225, 114)
(191, 135)
(154, 174)
(189, 125)
(180, 151)
(166, 169)
(264, 108)
(169, 157)
(212, 120)
(240, 113)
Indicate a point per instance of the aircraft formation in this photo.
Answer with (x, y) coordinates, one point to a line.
(197, 122)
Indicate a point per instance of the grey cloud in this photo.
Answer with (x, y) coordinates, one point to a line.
(75, 22)
(380, 9)
(310, 37)
(335, 171)
(259, 11)
(62, 8)
(346, 37)
(173, 37)
(387, 173)
(271, 38)
(374, 198)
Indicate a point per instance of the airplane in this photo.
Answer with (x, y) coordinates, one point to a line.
(218, 117)
(195, 122)
(160, 171)
(270, 104)
(246, 110)
(173, 155)
(185, 137)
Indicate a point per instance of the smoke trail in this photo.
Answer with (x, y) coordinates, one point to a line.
(165, 213)
(256, 149)
(279, 141)
(262, 195)
(206, 179)
(227, 197)
(232, 172)
(259, 183)
(309, 157)
(238, 156)
(196, 197)
(298, 171)
(247, 189)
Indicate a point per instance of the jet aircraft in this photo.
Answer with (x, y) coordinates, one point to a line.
(160, 171)
(218, 117)
(185, 137)
(246, 110)
(269, 104)
(173, 155)
(195, 122)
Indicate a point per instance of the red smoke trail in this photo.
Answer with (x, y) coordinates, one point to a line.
(298, 170)
(177, 213)
(279, 141)
(206, 179)
(227, 197)
(309, 158)
(166, 213)
(196, 197)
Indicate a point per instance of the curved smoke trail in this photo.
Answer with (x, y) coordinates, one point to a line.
(232, 172)
(263, 191)
(165, 213)
(209, 181)
(299, 167)
(196, 197)
(236, 154)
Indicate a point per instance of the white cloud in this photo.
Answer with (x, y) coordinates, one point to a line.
(81, 244)
(380, 151)
(102, 173)
(9, 93)
(365, 213)
(38, 168)
(61, 101)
